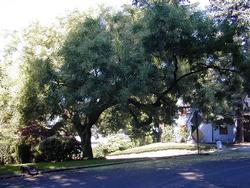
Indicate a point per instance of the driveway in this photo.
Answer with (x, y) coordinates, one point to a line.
(147, 174)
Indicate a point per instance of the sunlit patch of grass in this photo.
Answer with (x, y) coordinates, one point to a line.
(163, 146)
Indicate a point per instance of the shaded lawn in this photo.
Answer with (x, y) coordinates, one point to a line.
(163, 146)
(216, 156)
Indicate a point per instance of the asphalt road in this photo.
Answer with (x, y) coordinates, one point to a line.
(150, 174)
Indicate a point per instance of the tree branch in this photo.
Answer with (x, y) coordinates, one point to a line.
(175, 66)
(175, 82)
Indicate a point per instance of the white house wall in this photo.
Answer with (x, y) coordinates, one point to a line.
(206, 129)
(226, 138)
(209, 136)
(209, 132)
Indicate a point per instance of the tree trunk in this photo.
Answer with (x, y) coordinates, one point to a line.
(83, 128)
(240, 131)
(84, 131)
(85, 136)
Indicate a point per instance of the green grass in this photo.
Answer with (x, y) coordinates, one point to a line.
(15, 168)
(162, 146)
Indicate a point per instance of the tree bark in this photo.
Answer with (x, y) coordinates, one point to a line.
(85, 135)
(84, 131)
(83, 128)
(240, 131)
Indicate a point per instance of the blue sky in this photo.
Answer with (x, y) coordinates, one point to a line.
(18, 14)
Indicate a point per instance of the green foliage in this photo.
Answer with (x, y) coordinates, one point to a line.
(24, 154)
(112, 120)
(134, 64)
(168, 134)
(237, 14)
(9, 87)
(174, 134)
(38, 97)
(5, 155)
(143, 139)
(145, 3)
(58, 149)
(181, 134)
(115, 142)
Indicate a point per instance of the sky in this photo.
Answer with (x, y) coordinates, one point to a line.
(18, 14)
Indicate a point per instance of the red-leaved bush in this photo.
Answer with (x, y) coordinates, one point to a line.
(35, 133)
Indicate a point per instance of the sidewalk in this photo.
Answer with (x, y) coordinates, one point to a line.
(155, 154)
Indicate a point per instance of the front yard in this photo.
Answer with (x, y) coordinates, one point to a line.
(169, 161)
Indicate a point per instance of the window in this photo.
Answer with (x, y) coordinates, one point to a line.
(223, 129)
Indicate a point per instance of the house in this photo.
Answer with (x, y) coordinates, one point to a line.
(208, 132)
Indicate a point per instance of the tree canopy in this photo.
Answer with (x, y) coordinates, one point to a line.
(136, 62)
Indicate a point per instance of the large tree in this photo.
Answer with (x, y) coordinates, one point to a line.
(137, 60)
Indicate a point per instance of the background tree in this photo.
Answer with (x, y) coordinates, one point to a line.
(237, 14)
(9, 87)
(211, 48)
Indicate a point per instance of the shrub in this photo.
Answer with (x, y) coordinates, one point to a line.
(181, 133)
(24, 154)
(51, 149)
(35, 133)
(168, 134)
(71, 149)
(143, 140)
(5, 156)
(114, 142)
(58, 149)
(7, 153)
